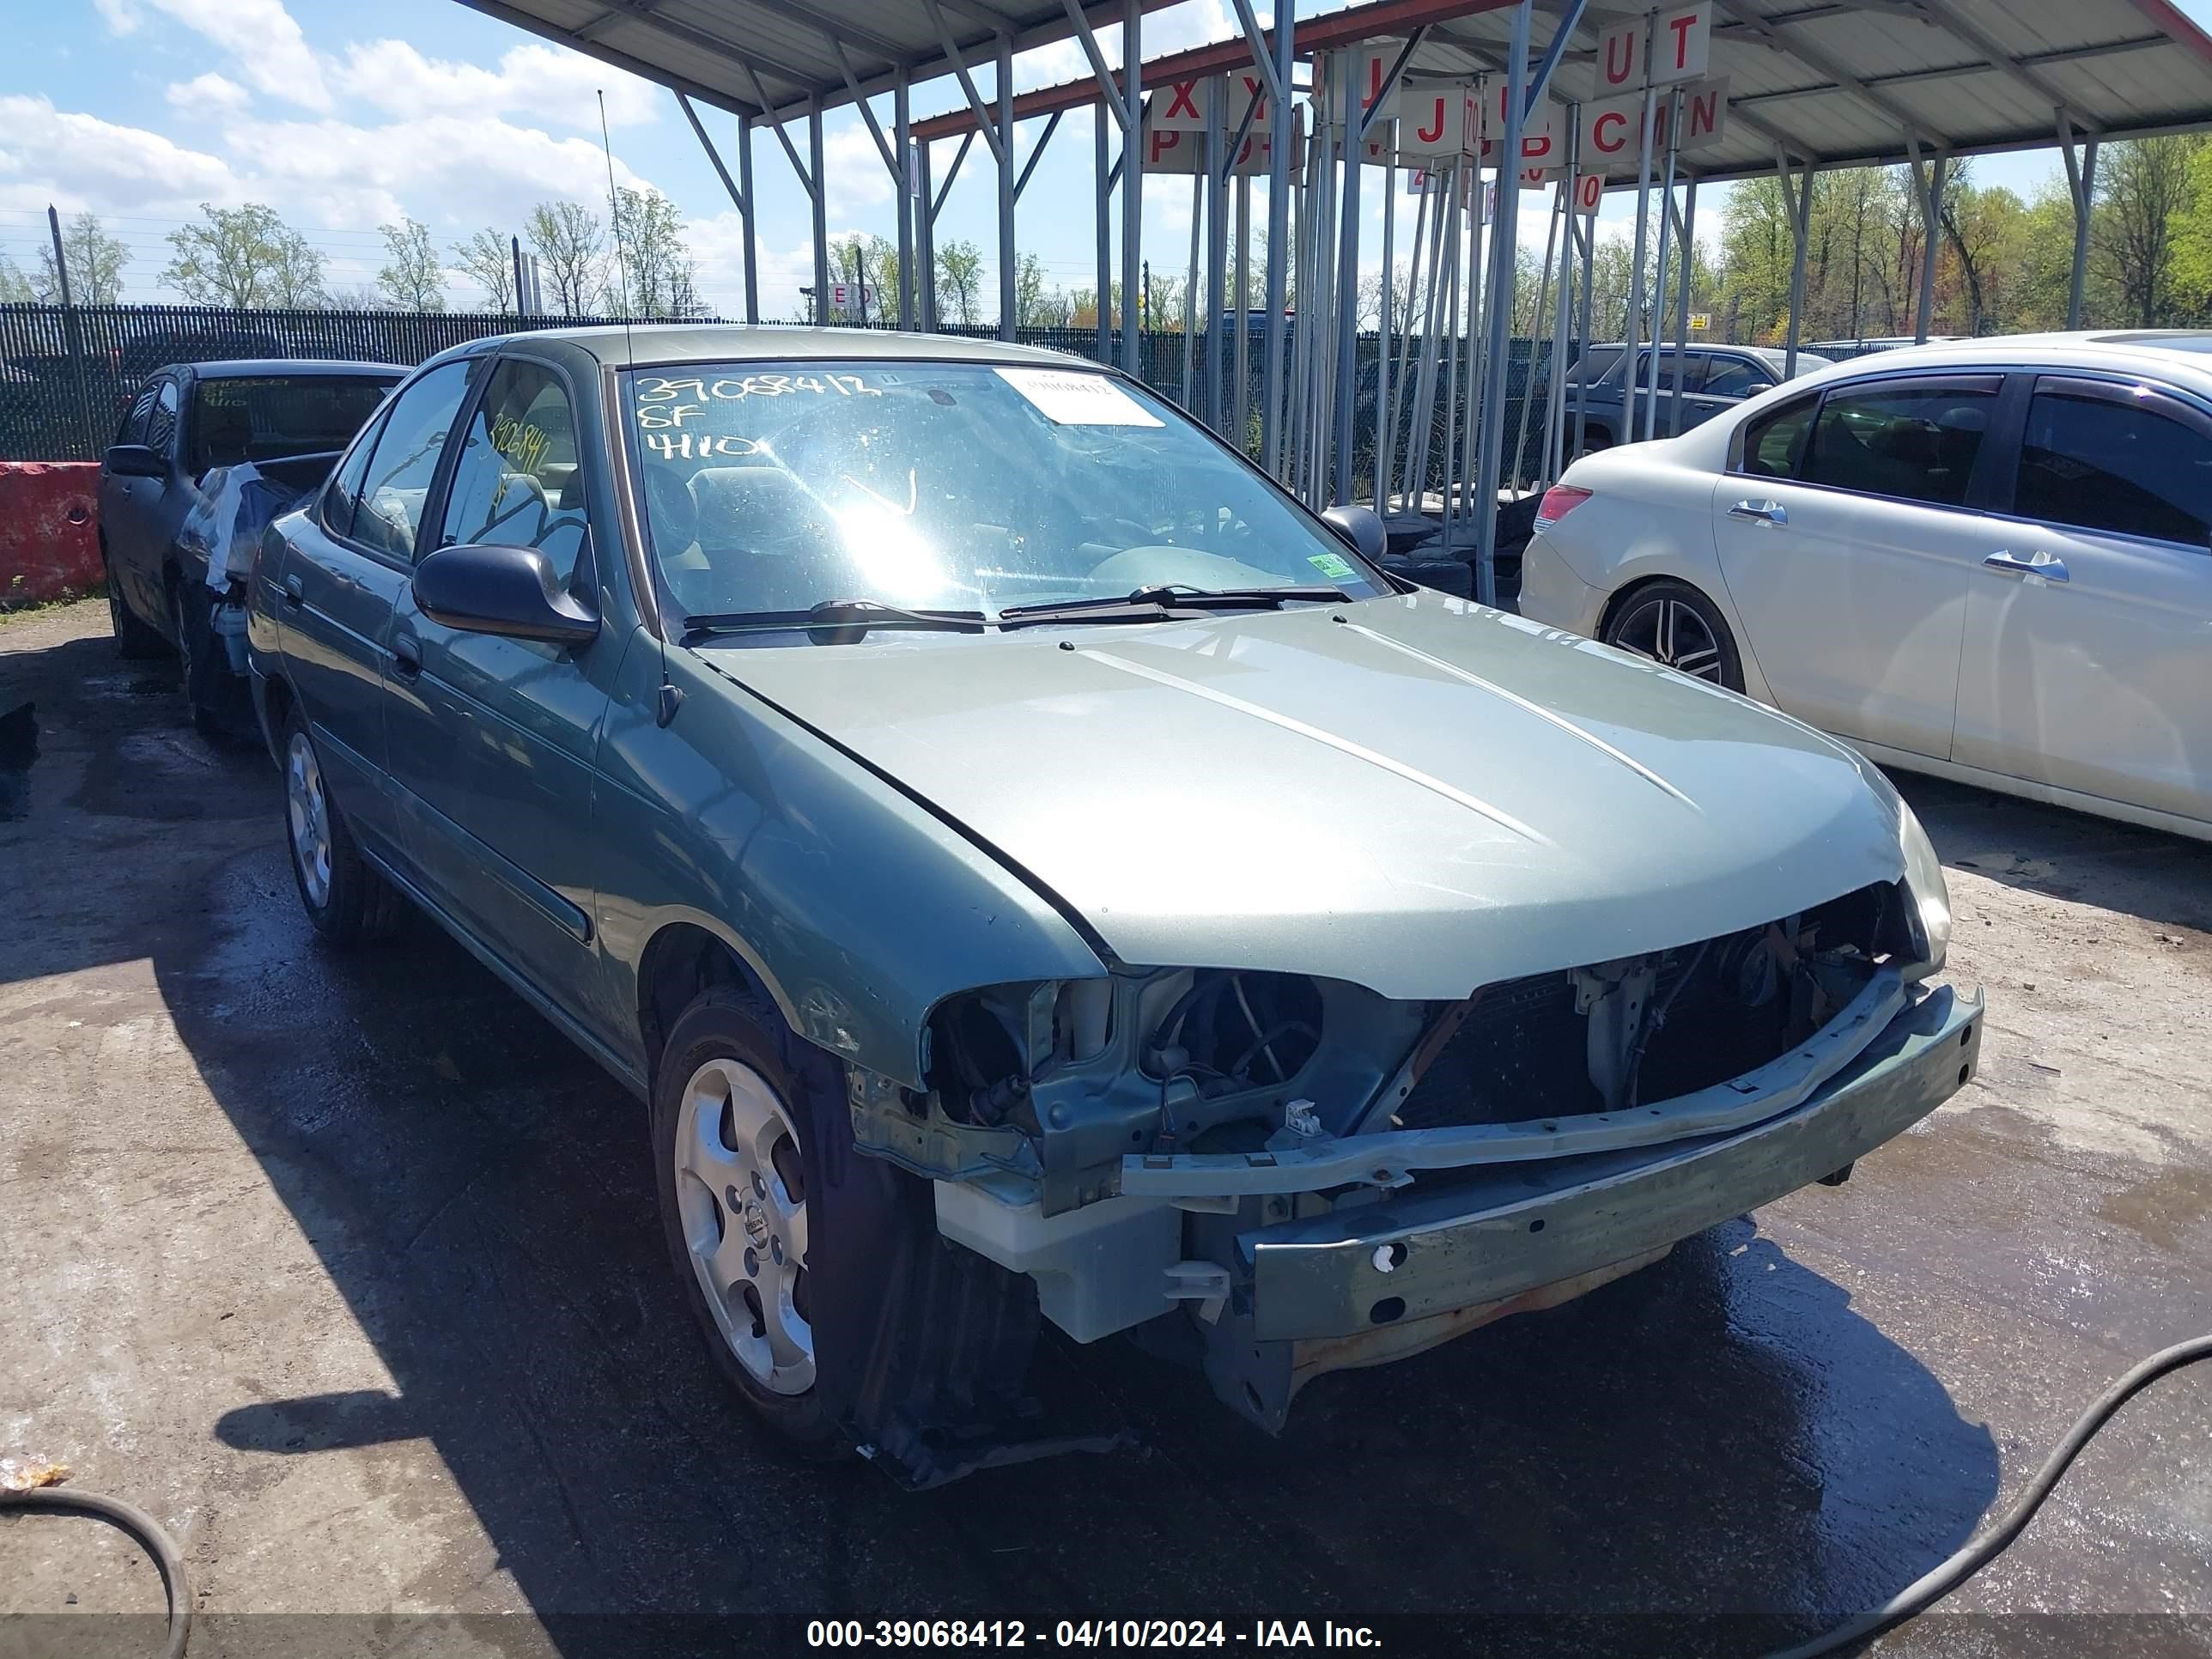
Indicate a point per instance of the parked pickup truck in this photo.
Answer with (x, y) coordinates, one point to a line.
(1703, 379)
(203, 447)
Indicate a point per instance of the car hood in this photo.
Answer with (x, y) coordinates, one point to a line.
(1409, 793)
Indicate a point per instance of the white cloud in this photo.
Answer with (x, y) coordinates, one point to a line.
(118, 15)
(263, 42)
(80, 160)
(209, 94)
(542, 82)
(854, 167)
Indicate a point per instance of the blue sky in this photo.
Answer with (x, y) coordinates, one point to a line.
(342, 116)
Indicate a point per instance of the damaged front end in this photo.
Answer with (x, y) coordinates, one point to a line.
(1278, 1176)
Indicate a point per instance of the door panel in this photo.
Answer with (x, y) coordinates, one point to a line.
(2086, 642)
(492, 739)
(1855, 597)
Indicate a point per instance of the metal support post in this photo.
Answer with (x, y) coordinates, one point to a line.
(926, 238)
(1390, 422)
(1240, 414)
(1801, 233)
(1502, 237)
(1133, 185)
(1100, 176)
(1275, 75)
(2082, 185)
(1217, 249)
(816, 192)
(1384, 407)
(1687, 243)
(1659, 276)
(1928, 186)
(752, 236)
(1563, 314)
(1541, 315)
(1007, 273)
(1633, 332)
(902, 183)
(1582, 331)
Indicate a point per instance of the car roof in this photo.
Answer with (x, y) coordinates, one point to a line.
(241, 368)
(689, 342)
(2186, 354)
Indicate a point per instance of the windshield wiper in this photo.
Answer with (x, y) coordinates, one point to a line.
(1163, 599)
(833, 621)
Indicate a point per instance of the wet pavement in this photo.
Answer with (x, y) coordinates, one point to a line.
(347, 1269)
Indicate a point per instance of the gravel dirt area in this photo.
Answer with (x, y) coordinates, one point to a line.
(346, 1267)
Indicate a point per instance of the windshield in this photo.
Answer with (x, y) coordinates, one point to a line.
(770, 486)
(269, 417)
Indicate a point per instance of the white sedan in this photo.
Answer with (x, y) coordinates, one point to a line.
(1989, 560)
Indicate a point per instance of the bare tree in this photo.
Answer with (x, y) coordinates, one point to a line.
(95, 264)
(568, 240)
(412, 278)
(487, 260)
(959, 280)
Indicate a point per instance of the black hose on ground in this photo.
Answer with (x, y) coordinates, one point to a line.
(138, 1524)
(1934, 1585)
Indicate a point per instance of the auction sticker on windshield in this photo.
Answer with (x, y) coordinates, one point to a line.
(1067, 399)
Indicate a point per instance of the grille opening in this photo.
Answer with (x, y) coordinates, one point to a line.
(1730, 1005)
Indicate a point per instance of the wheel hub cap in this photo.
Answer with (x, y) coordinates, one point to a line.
(741, 1199)
(308, 813)
(1673, 634)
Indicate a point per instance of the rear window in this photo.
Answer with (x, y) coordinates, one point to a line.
(266, 418)
(1594, 364)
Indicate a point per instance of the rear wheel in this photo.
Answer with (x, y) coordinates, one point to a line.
(348, 902)
(134, 640)
(729, 1112)
(1673, 624)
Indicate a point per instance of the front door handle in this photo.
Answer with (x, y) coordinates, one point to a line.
(406, 655)
(295, 592)
(2037, 564)
(1766, 511)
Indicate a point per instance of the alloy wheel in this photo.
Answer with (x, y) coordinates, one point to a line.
(741, 1194)
(1673, 635)
(308, 810)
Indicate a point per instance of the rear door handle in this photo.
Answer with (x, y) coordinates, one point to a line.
(406, 655)
(295, 591)
(1765, 512)
(2037, 564)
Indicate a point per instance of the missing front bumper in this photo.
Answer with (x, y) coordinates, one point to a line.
(1498, 1232)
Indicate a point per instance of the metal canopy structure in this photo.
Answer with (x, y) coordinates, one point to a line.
(1841, 84)
(1789, 86)
(770, 59)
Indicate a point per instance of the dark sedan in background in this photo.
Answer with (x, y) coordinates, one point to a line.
(288, 419)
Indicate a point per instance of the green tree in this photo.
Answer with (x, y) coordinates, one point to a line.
(14, 287)
(487, 260)
(959, 282)
(653, 265)
(243, 257)
(412, 278)
(2143, 201)
(95, 264)
(569, 240)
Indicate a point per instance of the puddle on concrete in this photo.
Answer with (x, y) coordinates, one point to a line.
(19, 748)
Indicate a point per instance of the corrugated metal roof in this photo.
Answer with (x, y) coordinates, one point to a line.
(1842, 83)
(753, 56)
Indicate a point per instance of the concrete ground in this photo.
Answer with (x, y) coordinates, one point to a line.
(346, 1267)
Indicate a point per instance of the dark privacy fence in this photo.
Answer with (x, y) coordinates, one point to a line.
(67, 375)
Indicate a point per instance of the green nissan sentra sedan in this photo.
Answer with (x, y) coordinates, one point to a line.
(1032, 870)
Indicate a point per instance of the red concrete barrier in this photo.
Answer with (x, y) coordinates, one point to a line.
(49, 531)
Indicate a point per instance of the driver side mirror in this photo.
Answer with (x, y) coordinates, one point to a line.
(1361, 527)
(508, 590)
(133, 461)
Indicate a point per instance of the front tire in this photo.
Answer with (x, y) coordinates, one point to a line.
(729, 1110)
(134, 640)
(348, 902)
(1677, 626)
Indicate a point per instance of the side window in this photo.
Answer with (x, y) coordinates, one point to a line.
(406, 458)
(161, 425)
(517, 483)
(341, 495)
(1912, 441)
(1773, 440)
(1678, 370)
(133, 429)
(2105, 464)
(1734, 377)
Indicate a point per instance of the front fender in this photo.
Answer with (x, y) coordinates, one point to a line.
(858, 909)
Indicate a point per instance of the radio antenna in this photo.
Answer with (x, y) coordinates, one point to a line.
(672, 694)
